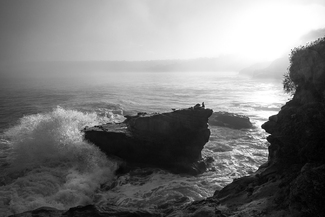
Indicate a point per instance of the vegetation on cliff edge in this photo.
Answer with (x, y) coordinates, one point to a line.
(305, 58)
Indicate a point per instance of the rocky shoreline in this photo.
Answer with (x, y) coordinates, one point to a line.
(291, 183)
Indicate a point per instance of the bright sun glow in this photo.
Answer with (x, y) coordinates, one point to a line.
(267, 30)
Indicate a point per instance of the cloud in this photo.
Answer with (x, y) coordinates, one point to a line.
(171, 29)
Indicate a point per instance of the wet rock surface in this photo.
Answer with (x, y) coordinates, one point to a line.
(171, 140)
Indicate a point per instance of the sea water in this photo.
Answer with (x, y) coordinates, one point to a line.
(44, 160)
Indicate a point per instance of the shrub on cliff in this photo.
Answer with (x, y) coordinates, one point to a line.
(288, 85)
(307, 67)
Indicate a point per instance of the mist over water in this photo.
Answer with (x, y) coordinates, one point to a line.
(45, 162)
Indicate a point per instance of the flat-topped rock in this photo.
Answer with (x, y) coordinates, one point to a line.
(172, 140)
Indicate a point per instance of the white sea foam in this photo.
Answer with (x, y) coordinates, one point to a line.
(50, 164)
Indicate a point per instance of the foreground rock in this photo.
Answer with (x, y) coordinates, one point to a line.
(172, 140)
(231, 120)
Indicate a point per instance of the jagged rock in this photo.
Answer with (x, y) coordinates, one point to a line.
(307, 191)
(231, 120)
(270, 125)
(291, 183)
(171, 140)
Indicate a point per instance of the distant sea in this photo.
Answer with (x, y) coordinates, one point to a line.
(45, 162)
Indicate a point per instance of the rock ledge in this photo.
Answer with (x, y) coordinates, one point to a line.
(172, 140)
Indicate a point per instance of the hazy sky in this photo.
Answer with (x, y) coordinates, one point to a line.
(152, 29)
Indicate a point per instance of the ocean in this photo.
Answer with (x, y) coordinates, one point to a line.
(44, 160)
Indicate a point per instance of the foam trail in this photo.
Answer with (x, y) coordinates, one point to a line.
(50, 164)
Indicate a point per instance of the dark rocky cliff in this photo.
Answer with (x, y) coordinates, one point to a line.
(292, 182)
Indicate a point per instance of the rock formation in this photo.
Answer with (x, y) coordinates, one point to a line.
(171, 140)
(231, 120)
(292, 182)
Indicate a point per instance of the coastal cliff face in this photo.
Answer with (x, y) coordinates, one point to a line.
(297, 132)
(297, 137)
(292, 182)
